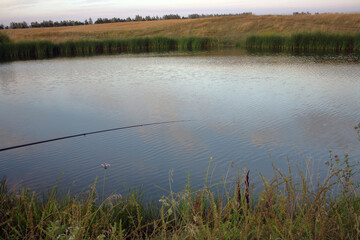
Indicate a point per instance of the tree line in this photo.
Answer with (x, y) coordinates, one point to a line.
(45, 23)
(50, 23)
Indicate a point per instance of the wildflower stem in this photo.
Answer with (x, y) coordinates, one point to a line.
(103, 186)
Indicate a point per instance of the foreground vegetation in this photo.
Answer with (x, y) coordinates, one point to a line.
(284, 209)
(10, 51)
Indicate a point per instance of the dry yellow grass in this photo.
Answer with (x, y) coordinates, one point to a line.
(231, 28)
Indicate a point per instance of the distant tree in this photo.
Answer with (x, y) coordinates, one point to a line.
(148, 18)
(128, 19)
(2, 26)
(302, 13)
(34, 24)
(195, 15)
(106, 20)
(99, 21)
(90, 21)
(14, 25)
(50, 23)
(114, 20)
(78, 23)
(171, 16)
(86, 22)
(138, 18)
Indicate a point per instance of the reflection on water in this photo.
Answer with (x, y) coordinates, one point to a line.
(248, 109)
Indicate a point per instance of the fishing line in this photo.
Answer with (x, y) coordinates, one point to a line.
(89, 133)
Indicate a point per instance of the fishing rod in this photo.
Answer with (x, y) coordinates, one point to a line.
(89, 133)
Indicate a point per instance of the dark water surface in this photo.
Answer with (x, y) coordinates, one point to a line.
(247, 109)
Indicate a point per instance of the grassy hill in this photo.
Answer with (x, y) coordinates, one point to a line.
(224, 28)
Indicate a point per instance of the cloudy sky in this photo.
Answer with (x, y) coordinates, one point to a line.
(38, 10)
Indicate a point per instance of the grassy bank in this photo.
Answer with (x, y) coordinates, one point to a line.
(304, 42)
(10, 51)
(285, 209)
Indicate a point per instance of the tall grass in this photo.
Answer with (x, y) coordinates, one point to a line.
(284, 209)
(306, 42)
(45, 49)
(195, 43)
(4, 38)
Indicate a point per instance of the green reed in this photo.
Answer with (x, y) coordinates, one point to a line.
(195, 43)
(4, 38)
(318, 41)
(27, 50)
(10, 51)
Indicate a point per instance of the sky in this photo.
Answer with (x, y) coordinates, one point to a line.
(56, 10)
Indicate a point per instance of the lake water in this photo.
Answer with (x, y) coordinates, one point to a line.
(247, 109)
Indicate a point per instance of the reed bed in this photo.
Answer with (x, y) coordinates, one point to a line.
(284, 209)
(305, 42)
(10, 51)
(299, 42)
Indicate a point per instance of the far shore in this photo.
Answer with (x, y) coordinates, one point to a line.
(222, 28)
